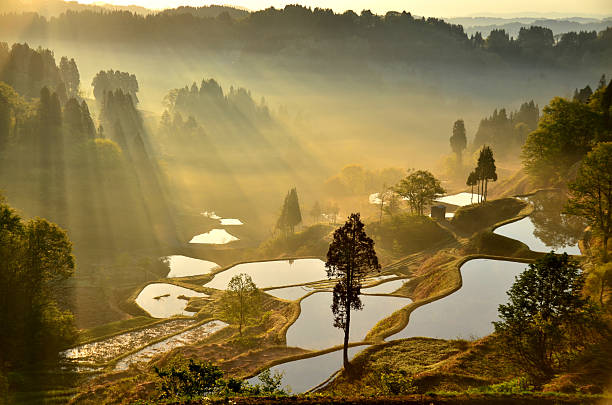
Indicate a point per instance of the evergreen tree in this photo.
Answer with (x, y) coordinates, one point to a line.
(486, 170)
(351, 256)
(291, 215)
(458, 141)
(472, 180)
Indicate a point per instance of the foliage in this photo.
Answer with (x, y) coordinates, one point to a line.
(547, 322)
(393, 36)
(35, 263)
(591, 192)
(564, 135)
(27, 70)
(458, 141)
(350, 258)
(599, 283)
(188, 379)
(419, 188)
(507, 133)
(308, 242)
(271, 382)
(356, 180)
(484, 171)
(291, 215)
(242, 300)
(111, 80)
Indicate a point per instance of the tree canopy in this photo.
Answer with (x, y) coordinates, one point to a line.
(351, 256)
(591, 192)
(36, 261)
(291, 215)
(242, 300)
(546, 321)
(419, 188)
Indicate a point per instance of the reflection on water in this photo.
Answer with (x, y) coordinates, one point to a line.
(107, 349)
(214, 237)
(183, 266)
(162, 300)
(468, 312)
(546, 228)
(302, 375)
(314, 329)
(182, 339)
(274, 273)
(551, 226)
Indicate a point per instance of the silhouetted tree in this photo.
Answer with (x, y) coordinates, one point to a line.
(291, 215)
(486, 170)
(458, 141)
(351, 256)
(472, 180)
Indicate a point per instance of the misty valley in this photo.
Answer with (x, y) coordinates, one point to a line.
(300, 204)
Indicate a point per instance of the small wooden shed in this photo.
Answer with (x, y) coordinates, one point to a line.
(438, 212)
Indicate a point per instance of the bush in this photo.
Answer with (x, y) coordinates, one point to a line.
(192, 379)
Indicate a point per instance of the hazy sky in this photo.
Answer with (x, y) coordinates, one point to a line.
(446, 8)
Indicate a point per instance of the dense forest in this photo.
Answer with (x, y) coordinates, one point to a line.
(321, 32)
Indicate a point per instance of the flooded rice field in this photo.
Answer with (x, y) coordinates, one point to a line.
(183, 266)
(163, 300)
(190, 336)
(105, 350)
(273, 273)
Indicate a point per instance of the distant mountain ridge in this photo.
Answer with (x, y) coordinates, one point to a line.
(51, 8)
(512, 26)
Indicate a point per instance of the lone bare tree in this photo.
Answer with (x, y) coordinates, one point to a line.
(350, 258)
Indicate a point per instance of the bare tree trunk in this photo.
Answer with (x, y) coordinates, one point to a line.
(347, 328)
(605, 248)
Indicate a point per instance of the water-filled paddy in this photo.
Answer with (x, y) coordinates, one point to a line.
(231, 221)
(274, 273)
(385, 288)
(289, 293)
(183, 266)
(314, 329)
(182, 339)
(469, 311)
(459, 199)
(162, 300)
(302, 375)
(105, 350)
(525, 231)
(214, 237)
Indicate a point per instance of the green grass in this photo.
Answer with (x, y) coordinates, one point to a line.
(473, 218)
